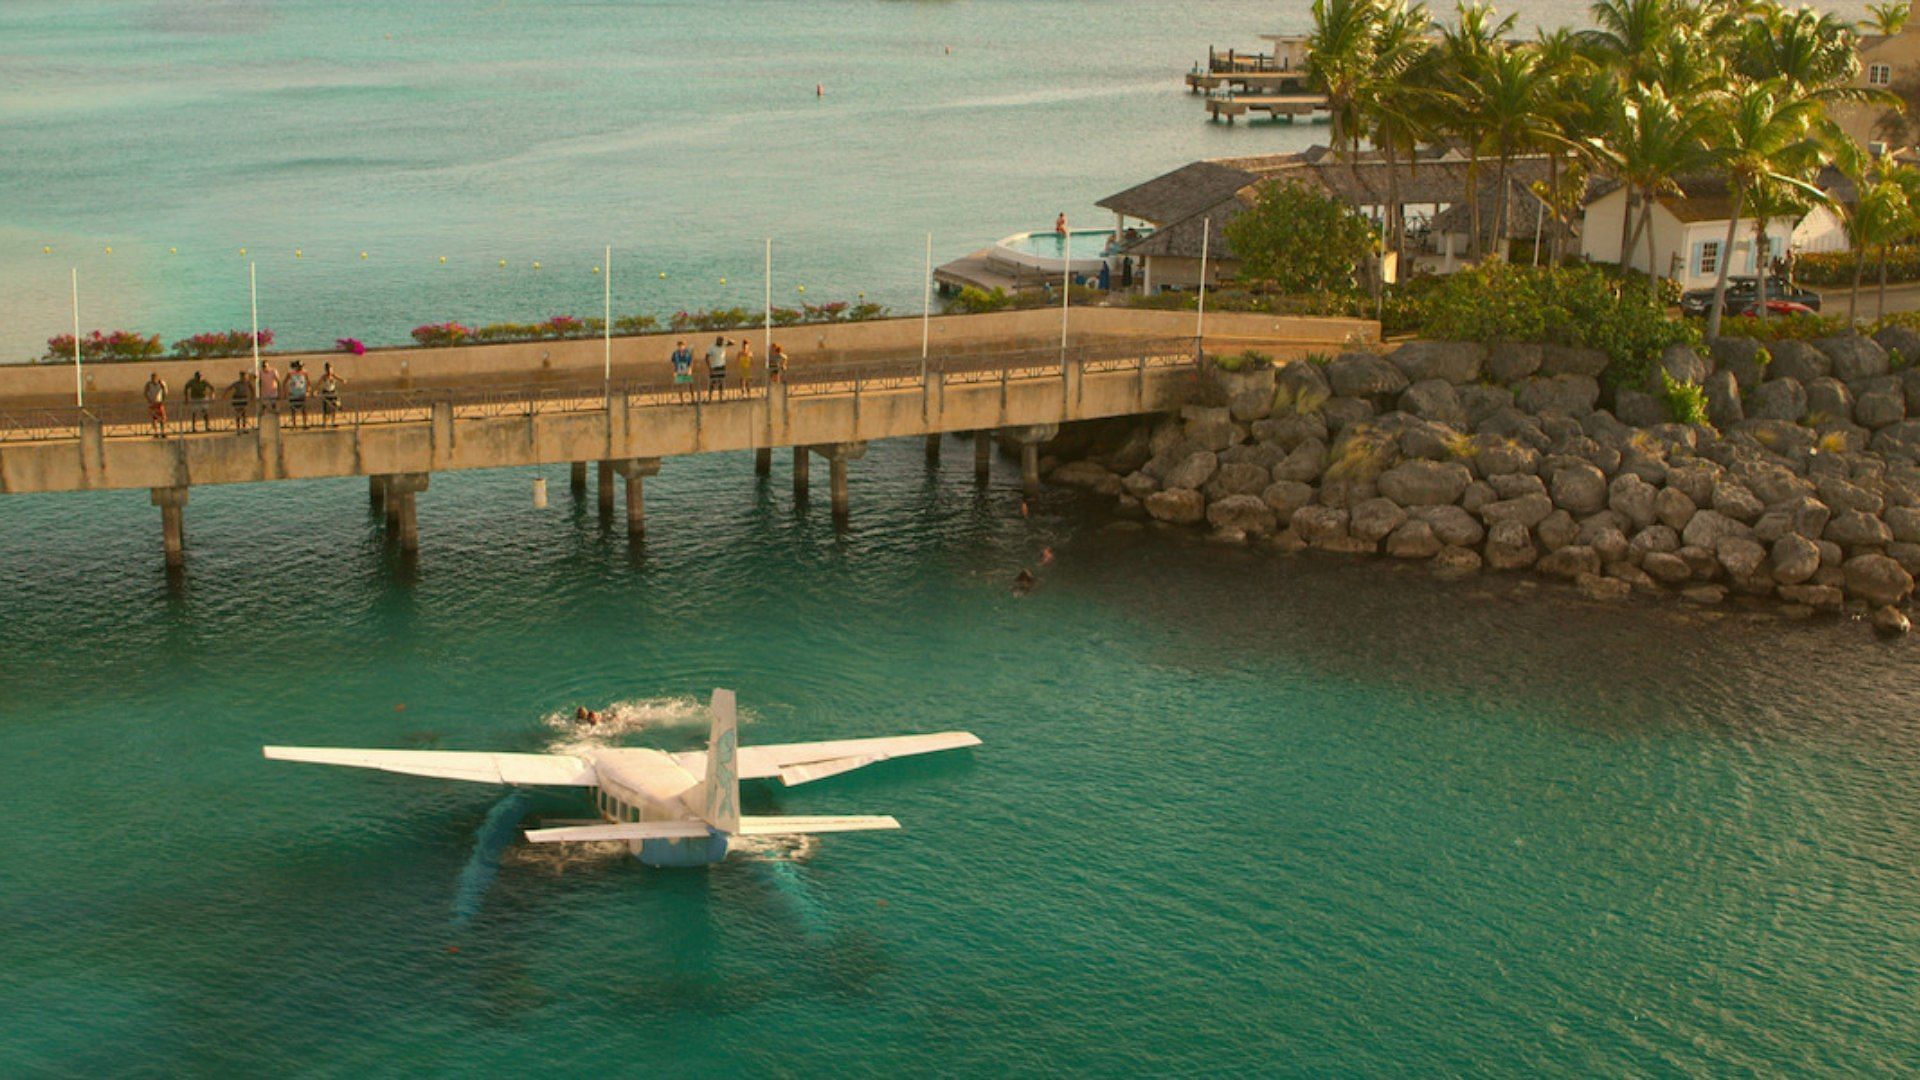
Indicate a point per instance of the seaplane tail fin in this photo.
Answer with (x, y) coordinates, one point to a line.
(474, 767)
(720, 794)
(786, 826)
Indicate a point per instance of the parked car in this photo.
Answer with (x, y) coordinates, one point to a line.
(1743, 295)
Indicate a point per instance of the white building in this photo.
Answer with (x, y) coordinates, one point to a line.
(1690, 234)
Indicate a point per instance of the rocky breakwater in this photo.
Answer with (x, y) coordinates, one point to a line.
(1804, 488)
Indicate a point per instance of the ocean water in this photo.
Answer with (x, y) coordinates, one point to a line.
(1234, 814)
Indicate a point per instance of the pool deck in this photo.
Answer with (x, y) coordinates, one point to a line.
(982, 272)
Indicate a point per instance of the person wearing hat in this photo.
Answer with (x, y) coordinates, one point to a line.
(297, 393)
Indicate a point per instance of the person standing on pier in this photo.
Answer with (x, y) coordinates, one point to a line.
(776, 363)
(1106, 276)
(156, 395)
(199, 399)
(297, 393)
(330, 384)
(744, 362)
(717, 366)
(269, 388)
(240, 392)
(682, 360)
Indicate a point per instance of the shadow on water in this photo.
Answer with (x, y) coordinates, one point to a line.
(496, 833)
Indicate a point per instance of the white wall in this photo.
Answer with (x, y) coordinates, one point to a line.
(1822, 230)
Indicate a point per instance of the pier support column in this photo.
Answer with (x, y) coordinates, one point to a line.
(802, 460)
(1030, 439)
(636, 471)
(763, 461)
(605, 479)
(377, 491)
(837, 455)
(982, 454)
(402, 489)
(172, 502)
(578, 478)
(933, 449)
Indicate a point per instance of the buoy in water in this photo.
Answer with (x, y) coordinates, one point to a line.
(539, 493)
(819, 90)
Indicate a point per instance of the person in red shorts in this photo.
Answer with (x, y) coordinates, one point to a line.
(156, 395)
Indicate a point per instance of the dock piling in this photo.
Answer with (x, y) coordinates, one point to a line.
(172, 502)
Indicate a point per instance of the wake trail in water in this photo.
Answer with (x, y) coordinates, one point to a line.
(620, 719)
(491, 840)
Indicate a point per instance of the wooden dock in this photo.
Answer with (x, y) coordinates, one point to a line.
(1275, 106)
(1248, 81)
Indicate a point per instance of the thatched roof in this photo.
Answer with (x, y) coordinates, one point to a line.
(1180, 193)
(1431, 179)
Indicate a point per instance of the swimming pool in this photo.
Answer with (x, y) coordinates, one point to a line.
(1047, 250)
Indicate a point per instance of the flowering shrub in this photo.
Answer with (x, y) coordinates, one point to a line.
(219, 343)
(634, 324)
(352, 345)
(829, 312)
(446, 333)
(786, 316)
(119, 345)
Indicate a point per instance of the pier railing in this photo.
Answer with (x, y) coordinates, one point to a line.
(416, 405)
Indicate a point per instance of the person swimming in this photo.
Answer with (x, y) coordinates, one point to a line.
(586, 716)
(1024, 582)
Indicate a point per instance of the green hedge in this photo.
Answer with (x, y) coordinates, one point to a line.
(1836, 267)
(1575, 306)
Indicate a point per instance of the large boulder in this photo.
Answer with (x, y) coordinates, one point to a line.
(1425, 483)
(1320, 526)
(1777, 399)
(1880, 402)
(1434, 399)
(1373, 519)
(1796, 360)
(1844, 495)
(1514, 485)
(1679, 363)
(1081, 474)
(1639, 409)
(1193, 471)
(1742, 557)
(1264, 455)
(1899, 440)
(1568, 360)
(1414, 539)
(1739, 357)
(1286, 496)
(1724, 407)
(1556, 530)
(1508, 362)
(1248, 513)
(1667, 567)
(1579, 488)
(1525, 511)
(1451, 525)
(1709, 527)
(1561, 395)
(1249, 393)
(1237, 479)
(1878, 580)
(1454, 362)
(1287, 432)
(1342, 412)
(1633, 498)
(1855, 529)
(1828, 400)
(1794, 559)
(1730, 497)
(1305, 464)
(1364, 375)
(1899, 339)
(1653, 538)
(1905, 523)
(1482, 402)
(1510, 547)
(1853, 356)
(1179, 506)
(1493, 455)
(1570, 562)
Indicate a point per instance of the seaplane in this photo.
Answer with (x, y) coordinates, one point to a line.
(671, 809)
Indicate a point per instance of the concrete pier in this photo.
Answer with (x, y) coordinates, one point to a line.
(636, 471)
(377, 492)
(402, 490)
(763, 461)
(172, 502)
(933, 449)
(1030, 438)
(577, 478)
(837, 455)
(606, 487)
(802, 462)
(982, 455)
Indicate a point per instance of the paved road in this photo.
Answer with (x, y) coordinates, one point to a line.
(1904, 296)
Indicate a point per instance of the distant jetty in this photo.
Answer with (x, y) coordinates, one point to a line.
(1275, 82)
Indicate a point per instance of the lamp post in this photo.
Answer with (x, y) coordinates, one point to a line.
(79, 382)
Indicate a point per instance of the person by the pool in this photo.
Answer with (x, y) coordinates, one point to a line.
(1060, 223)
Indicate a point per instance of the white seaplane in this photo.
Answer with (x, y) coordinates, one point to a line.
(656, 801)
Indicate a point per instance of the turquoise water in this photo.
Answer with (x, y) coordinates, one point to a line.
(1234, 814)
(1086, 243)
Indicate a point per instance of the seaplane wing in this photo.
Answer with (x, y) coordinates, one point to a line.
(784, 826)
(798, 763)
(624, 830)
(476, 766)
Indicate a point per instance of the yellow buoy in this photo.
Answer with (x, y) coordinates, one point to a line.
(363, 254)
(799, 288)
(596, 269)
(723, 281)
(243, 251)
(109, 249)
(297, 253)
(173, 251)
(443, 258)
(503, 262)
(47, 249)
(663, 275)
(536, 266)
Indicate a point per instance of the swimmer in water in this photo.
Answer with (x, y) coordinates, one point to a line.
(1024, 583)
(586, 715)
(1046, 556)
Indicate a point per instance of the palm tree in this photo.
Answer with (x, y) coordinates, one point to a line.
(1881, 216)
(1764, 134)
(1768, 202)
(1655, 142)
(1466, 46)
(1340, 63)
(1628, 33)
(1579, 98)
(1888, 18)
(1394, 103)
(1516, 112)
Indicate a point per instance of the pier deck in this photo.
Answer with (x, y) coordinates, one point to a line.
(1274, 105)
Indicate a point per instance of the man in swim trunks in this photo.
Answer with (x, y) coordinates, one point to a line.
(297, 393)
(682, 359)
(156, 395)
(330, 384)
(199, 401)
(717, 366)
